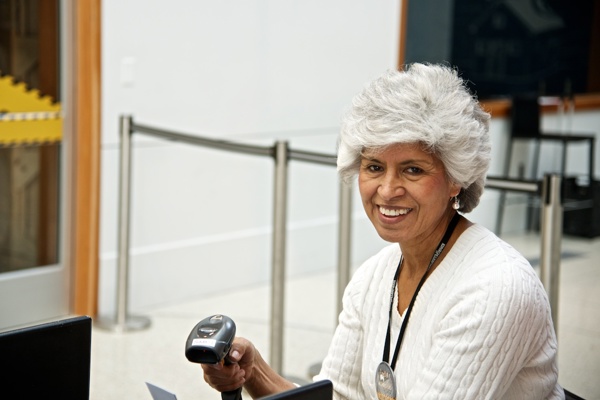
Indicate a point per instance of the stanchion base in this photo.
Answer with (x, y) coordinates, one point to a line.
(132, 323)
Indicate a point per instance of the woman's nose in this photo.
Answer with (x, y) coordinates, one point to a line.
(390, 186)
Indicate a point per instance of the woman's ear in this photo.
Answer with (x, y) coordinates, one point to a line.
(455, 190)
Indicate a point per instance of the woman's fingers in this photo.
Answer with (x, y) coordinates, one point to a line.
(224, 378)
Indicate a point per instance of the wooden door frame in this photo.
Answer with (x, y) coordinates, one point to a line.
(82, 124)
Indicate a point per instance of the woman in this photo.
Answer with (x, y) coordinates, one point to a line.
(448, 310)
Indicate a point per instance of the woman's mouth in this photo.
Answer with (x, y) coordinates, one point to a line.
(394, 212)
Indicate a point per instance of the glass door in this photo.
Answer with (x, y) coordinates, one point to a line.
(34, 281)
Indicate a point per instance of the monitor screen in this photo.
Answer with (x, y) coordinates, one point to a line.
(47, 361)
(319, 390)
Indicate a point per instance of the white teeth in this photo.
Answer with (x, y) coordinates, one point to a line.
(393, 213)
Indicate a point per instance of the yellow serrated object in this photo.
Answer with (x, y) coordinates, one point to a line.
(14, 97)
(28, 132)
(32, 127)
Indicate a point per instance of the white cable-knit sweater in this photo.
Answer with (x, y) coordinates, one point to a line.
(480, 328)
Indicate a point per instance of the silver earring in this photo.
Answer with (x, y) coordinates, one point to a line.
(456, 204)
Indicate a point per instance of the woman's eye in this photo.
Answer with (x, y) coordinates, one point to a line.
(413, 170)
(374, 168)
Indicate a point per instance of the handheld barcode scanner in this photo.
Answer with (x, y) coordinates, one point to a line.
(209, 342)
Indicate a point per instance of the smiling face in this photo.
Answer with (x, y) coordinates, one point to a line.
(406, 193)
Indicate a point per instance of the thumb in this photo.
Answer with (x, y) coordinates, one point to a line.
(235, 353)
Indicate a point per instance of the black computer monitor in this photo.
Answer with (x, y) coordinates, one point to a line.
(319, 390)
(47, 361)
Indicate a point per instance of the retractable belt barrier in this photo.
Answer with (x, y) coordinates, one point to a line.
(551, 214)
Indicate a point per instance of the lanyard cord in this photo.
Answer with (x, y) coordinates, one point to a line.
(436, 254)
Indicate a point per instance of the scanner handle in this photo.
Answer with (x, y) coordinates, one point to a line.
(232, 395)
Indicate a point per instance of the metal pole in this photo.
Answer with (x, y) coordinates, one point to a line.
(344, 238)
(124, 219)
(344, 256)
(551, 232)
(123, 322)
(279, 238)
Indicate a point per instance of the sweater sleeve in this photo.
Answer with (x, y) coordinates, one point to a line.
(362, 324)
(493, 338)
(343, 362)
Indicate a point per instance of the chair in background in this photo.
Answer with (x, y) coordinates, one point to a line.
(525, 126)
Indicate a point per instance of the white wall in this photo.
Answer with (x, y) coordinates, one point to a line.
(256, 71)
(253, 71)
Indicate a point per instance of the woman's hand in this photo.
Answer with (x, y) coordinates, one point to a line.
(236, 371)
(247, 369)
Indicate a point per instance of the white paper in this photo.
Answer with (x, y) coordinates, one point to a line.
(159, 393)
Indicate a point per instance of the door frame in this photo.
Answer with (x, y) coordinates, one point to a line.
(83, 143)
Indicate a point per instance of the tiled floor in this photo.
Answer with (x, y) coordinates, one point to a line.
(123, 362)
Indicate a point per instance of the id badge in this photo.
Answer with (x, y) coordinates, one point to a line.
(385, 382)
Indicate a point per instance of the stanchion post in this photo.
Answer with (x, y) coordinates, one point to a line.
(122, 321)
(278, 267)
(551, 232)
(344, 241)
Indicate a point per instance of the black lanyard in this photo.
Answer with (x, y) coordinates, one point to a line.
(438, 251)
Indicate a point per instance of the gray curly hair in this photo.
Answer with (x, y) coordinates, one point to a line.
(427, 104)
